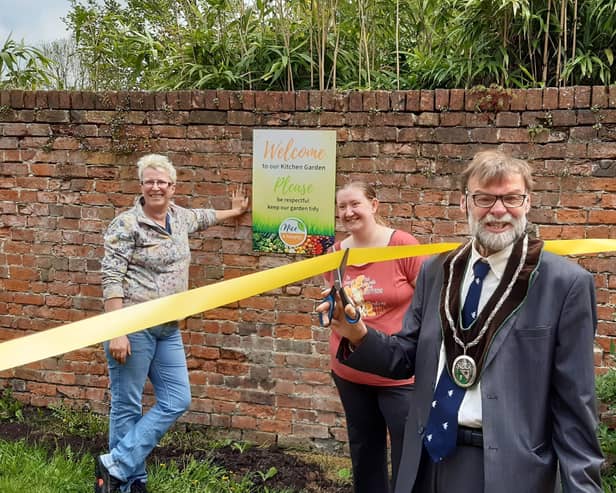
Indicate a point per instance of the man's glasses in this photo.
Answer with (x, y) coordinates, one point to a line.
(156, 183)
(486, 200)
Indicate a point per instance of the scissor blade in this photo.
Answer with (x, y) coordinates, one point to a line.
(342, 267)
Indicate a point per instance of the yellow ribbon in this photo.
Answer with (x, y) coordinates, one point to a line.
(76, 335)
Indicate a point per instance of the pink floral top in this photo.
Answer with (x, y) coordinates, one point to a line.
(383, 292)
(142, 260)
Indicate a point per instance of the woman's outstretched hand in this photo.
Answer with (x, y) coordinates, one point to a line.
(239, 199)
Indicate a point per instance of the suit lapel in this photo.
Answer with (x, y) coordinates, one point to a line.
(498, 341)
(506, 327)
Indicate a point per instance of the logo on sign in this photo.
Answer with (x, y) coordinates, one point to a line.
(292, 231)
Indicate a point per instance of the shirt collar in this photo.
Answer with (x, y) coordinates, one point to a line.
(498, 261)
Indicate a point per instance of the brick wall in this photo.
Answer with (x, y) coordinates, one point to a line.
(259, 367)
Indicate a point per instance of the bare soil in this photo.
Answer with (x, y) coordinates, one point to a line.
(298, 472)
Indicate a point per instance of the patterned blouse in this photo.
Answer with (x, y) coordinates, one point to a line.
(143, 261)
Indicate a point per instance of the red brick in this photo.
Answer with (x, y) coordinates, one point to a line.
(450, 119)
(224, 102)
(302, 101)
(315, 101)
(518, 100)
(507, 119)
(441, 99)
(550, 98)
(602, 217)
(518, 135)
(398, 101)
(368, 101)
(287, 101)
(382, 101)
(16, 99)
(612, 96)
(600, 97)
(426, 100)
(582, 96)
(534, 99)
(484, 135)
(413, 100)
(457, 99)
(566, 98)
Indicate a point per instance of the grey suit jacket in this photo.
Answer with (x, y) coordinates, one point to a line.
(537, 385)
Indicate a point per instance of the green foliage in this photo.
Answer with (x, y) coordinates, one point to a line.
(35, 468)
(345, 473)
(23, 67)
(269, 474)
(321, 44)
(606, 393)
(241, 447)
(609, 483)
(10, 408)
(606, 389)
(195, 476)
(30, 468)
(79, 423)
(188, 439)
(27, 468)
(607, 438)
(353, 44)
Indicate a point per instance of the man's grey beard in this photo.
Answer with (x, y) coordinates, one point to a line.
(495, 242)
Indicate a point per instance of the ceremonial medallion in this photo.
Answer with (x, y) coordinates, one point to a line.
(464, 371)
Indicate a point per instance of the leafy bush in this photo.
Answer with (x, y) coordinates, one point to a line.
(606, 389)
(80, 423)
(10, 408)
(606, 393)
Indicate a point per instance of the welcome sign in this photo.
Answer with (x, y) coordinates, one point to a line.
(293, 192)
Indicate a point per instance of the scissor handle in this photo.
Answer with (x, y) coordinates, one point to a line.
(353, 320)
(346, 301)
(331, 298)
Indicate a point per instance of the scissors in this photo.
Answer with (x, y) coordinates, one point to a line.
(338, 287)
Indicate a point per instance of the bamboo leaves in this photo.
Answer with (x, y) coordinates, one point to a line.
(23, 66)
(329, 44)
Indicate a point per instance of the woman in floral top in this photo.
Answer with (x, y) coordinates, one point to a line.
(147, 256)
(382, 291)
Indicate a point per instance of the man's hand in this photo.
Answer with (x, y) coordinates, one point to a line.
(356, 332)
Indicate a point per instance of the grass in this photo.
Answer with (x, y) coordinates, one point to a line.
(34, 469)
(53, 466)
(25, 467)
(29, 468)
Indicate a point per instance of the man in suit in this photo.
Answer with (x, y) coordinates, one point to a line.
(504, 394)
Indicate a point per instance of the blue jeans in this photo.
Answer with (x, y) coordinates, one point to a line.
(158, 354)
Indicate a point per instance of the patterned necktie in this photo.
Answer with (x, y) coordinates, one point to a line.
(442, 428)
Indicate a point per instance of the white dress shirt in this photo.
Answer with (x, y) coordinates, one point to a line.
(470, 409)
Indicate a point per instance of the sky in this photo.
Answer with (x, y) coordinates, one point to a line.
(36, 21)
